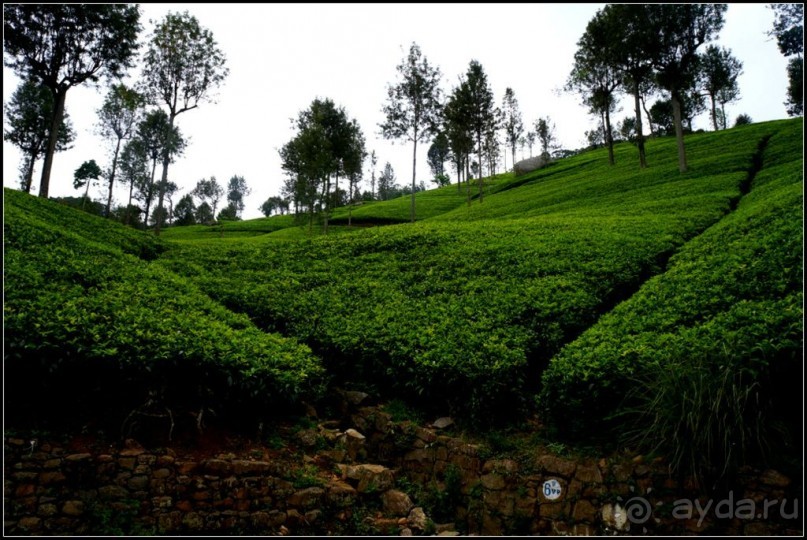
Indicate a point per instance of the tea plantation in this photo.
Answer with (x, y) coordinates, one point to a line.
(597, 296)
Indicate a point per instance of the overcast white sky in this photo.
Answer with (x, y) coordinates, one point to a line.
(283, 56)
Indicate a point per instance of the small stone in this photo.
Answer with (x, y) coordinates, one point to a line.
(396, 503)
(406, 532)
(417, 519)
(774, 478)
(443, 422)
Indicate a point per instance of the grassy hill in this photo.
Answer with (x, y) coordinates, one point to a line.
(557, 293)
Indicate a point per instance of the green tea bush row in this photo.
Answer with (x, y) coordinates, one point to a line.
(729, 304)
(85, 320)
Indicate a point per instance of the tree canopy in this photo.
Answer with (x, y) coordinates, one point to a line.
(28, 115)
(413, 109)
(182, 67)
(64, 45)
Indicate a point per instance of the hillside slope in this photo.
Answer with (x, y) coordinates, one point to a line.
(568, 282)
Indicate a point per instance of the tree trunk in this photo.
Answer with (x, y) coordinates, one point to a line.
(479, 148)
(649, 120)
(59, 96)
(29, 173)
(350, 203)
(164, 179)
(679, 132)
(112, 176)
(714, 111)
(149, 194)
(414, 163)
(609, 139)
(468, 177)
(86, 193)
(128, 217)
(639, 135)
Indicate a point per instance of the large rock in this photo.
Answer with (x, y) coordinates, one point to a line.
(530, 164)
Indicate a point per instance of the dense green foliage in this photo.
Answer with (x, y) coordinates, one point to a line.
(90, 324)
(729, 303)
(466, 307)
(570, 283)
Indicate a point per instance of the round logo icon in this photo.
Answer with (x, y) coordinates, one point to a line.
(552, 489)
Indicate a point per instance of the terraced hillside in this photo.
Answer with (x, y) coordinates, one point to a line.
(557, 292)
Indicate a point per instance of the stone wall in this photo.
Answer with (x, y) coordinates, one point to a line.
(376, 477)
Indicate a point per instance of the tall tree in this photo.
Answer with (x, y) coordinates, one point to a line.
(183, 65)
(482, 110)
(718, 77)
(117, 120)
(64, 45)
(29, 114)
(513, 123)
(373, 163)
(327, 144)
(545, 132)
(530, 140)
(413, 108)
(86, 175)
(185, 211)
(162, 142)
(438, 154)
(134, 171)
(788, 29)
(795, 88)
(457, 118)
(386, 182)
(491, 144)
(209, 192)
(631, 47)
(353, 164)
(681, 29)
(595, 75)
(237, 189)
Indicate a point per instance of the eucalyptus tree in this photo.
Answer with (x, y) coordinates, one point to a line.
(680, 29)
(134, 171)
(545, 132)
(117, 120)
(86, 175)
(438, 154)
(718, 75)
(64, 45)
(353, 165)
(482, 112)
(595, 75)
(413, 109)
(209, 192)
(28, 114)
(185, 211)
(373, 164)
(182, 67)
(458, 129)
(630, 49)
(529, 139)
(513, 122)
(490, 143)
(386, 182)
(162, 142)
(788, 29)
(237, 189)
(326, 145)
